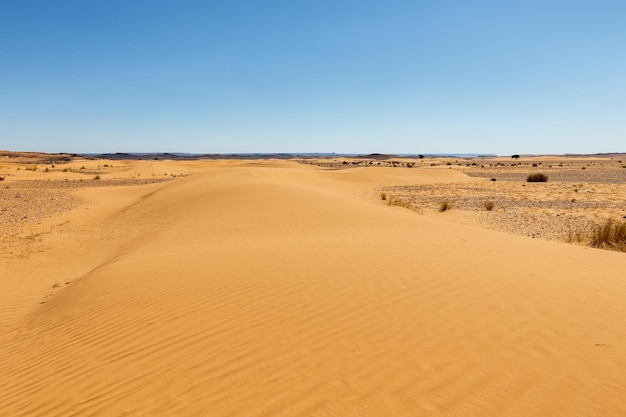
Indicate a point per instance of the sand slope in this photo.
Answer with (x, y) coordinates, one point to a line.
(282, 290)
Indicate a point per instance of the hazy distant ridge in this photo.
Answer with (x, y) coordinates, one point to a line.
(184, 155)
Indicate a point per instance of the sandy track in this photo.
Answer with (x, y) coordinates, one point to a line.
(280, 290)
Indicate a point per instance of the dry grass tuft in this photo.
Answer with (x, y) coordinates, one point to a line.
(489, 205)
(444, 206)
(397, 201)
(577, 237)
(539, 177)
(404, 202)
(609, 235)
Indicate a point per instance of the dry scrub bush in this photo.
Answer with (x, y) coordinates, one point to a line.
(539, 177)
(577, 237)
(444, 206)
(610, 235)
(397, 201)
(489, 205)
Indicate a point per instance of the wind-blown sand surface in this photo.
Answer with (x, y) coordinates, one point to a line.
(278, 289)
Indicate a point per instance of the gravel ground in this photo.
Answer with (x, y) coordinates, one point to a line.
(552, 211)
(599, 175)
(24, 203)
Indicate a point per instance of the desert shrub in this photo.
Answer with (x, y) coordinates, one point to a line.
(97, 177)
(444, 205)
(1, 178)
(610, 235)
(577, 237)
(489, 205)
(539, 177)
(383, 196)
(534, 164)
(397, 201)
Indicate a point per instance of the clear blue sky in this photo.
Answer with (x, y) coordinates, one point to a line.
(313, 76)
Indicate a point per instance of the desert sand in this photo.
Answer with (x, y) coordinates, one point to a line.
(274, 288)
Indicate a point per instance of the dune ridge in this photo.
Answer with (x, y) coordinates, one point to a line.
(281, 290)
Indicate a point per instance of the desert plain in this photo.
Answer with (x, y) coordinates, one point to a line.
(317, 287)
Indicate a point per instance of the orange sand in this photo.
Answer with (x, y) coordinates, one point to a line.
(277, 289)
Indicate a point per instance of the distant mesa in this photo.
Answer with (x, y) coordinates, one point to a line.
(196, 156)
(377, 156)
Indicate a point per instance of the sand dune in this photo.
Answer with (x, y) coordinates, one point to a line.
(275, 289)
